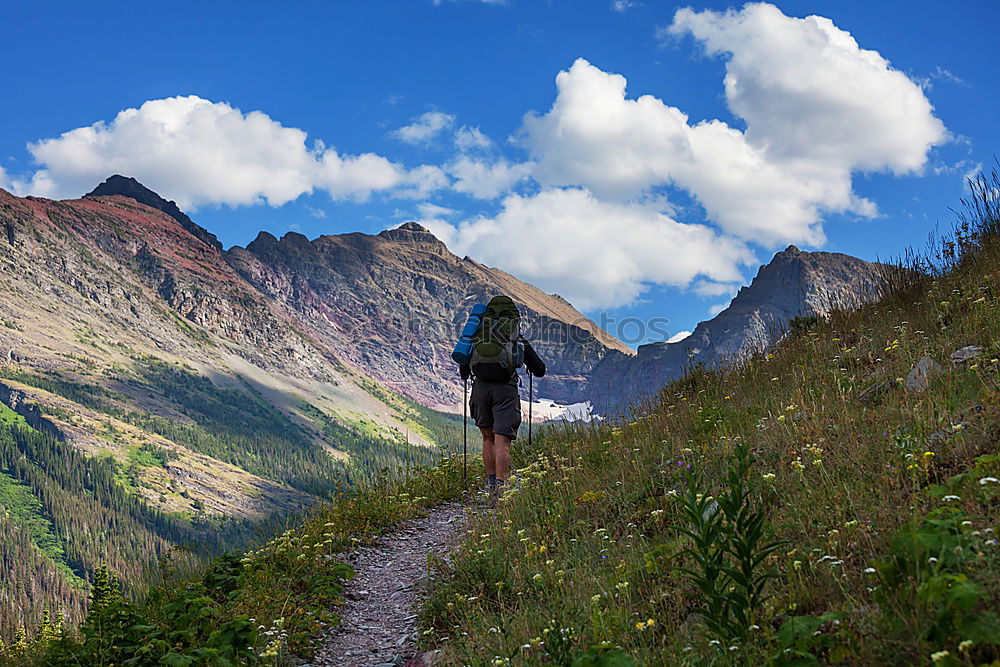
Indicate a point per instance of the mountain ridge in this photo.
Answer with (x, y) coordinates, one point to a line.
(423, 292)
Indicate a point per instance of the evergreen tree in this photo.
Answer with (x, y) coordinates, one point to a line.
(104, 591)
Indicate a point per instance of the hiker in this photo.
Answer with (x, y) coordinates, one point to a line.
(498, 351)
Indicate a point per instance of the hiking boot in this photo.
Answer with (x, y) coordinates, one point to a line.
(496, 493)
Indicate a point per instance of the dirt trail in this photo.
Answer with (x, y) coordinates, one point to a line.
(379, 614)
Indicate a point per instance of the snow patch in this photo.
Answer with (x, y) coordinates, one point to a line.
(545, 409)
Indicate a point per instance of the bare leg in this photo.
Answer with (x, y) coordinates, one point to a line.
(489, 462)
(501, 456)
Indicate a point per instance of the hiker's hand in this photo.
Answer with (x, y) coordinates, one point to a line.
(465, 372)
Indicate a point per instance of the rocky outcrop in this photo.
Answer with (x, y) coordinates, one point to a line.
(19, 402)
(793, 284)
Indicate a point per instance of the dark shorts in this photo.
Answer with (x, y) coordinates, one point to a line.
(497, 406)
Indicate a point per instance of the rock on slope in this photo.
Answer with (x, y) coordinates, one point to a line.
(393, 303)
(793, 284)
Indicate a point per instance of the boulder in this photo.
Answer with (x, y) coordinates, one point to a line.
(963, 354)
(874, 392)
(919, 377)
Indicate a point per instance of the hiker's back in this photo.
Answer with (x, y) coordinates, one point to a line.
(498, 350)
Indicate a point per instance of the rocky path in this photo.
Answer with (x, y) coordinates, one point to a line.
(379, 615)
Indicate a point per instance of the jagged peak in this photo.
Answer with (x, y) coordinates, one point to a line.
(410, 232)
(265, 237)
(294, 237)
(127, 186)
(414, 227)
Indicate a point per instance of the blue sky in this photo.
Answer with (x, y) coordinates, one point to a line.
(658, 207)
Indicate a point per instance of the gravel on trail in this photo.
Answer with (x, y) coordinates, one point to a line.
(379, 613)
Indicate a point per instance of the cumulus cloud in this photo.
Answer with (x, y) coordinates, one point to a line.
(429, 210)
(426, 126)
(200, 152)
(808, 90)
(420, 182)
(315, 212)
(593, 252)
(486, 179)
(817, 108)
(709, 288)
(471, 138)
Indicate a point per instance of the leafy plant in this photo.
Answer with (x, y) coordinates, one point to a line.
(729, 547)
(926, 589)
(804, 639)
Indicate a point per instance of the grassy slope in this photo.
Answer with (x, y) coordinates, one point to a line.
(10, 418)
(889, 506)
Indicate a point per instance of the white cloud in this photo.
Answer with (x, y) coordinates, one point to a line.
(709, 288)
(315, 212)
(427, 126)
(944, 74)
(679, 336)
(594, 253)
(471, 138)
(718, 308)
(4, 183)
(622, 6)
(808, 90)
(484, 179)
(201, 152)
(429, 210)
(421, 181)
(816, 106)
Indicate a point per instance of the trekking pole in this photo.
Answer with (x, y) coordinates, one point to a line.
(465, 430)
(531, 400)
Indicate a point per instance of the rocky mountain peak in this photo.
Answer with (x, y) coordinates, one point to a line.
(414, 227)
(127, 186)
(410, 232)
(794, 283)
